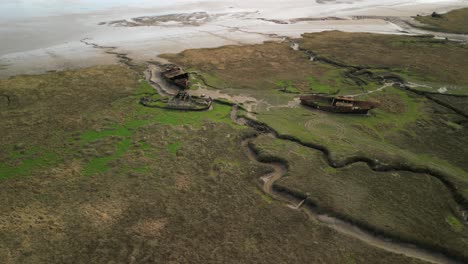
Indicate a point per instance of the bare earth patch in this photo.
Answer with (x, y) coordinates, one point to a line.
(103, 214)
(149, 227)
(182, 183)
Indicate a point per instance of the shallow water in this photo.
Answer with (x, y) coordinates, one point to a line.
(13, 9)
(20, 9)
(41, 35)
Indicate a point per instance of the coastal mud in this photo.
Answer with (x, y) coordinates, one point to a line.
(174, 20)
(186, 19)
(48, 43)
(123, 58)
(401, 24)
(57, 58)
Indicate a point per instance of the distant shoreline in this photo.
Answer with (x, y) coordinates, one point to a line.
(38, 45)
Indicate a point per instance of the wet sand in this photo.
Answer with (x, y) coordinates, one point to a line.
(39, 44)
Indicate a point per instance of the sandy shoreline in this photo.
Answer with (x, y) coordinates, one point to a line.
(37, 45)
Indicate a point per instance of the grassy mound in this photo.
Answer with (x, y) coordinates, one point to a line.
(455, 21)
(426, 60)
(270, 66)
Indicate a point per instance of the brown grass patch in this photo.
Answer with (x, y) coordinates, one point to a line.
(26, 218)
(182, 183)
(68, 170)
(103, 214)
(257, 67)
(455, 21)
(391, 103)
(430, 59)
(149, 227)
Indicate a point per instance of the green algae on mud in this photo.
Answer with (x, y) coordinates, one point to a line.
(42, 108)
(142, 116)
(100, 163)
(48, 102)
(174, 147)
(21, 163)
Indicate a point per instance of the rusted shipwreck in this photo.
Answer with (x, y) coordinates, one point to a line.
(339, 104)
(182, 101)
(176, 75)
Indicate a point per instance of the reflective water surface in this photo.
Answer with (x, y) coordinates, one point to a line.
(36, 8)
(19, 9)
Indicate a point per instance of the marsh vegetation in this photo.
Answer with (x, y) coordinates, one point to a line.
(89, 175)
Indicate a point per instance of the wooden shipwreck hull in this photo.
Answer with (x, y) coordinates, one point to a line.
(182, 101)
(338, 104)
(176, 75)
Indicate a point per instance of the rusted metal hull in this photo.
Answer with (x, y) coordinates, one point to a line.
(328, 104)
(177, 76)
(181, 83)
(175, 103)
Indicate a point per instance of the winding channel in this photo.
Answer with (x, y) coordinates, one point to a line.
(337, 224)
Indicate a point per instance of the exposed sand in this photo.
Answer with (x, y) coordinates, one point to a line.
(37, 44)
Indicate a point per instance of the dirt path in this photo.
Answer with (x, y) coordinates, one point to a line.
(154, 78)
(341, 226)
(386, 85)
(248, 102)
